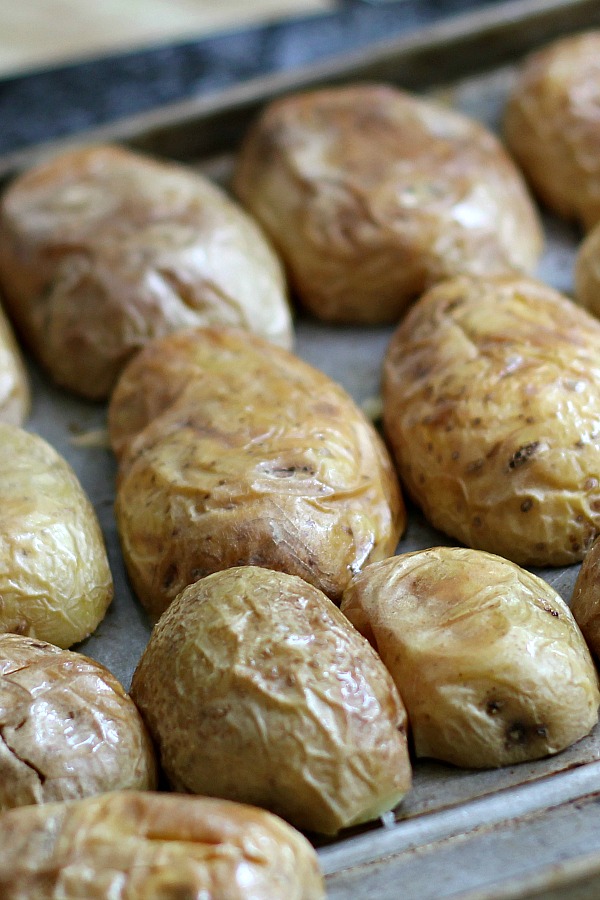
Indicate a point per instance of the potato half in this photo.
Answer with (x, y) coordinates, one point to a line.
(256, 688)
(587, 272)
(67, 727)
(234, 452)
(15, 399)
(372, 195)
(55, 581)
(487, 657)
(552, 126)
(491, 394)
(585, 602)
(102, 249)
(146, 846)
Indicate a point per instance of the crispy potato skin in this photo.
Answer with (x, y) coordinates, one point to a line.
(587, 272)
(102, 249)
(67, 728)
(15, 399)
(256, 688)
(235, 452)
(147, 846)
(491, 406)
(487, 657)
(585, 602)
(552, 127)
(372, 195)
(55, 581)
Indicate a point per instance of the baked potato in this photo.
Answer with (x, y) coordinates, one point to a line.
(102, 249)
(15, 400)
(67, 727)
(256, 688)
(371, 195)
(487, 656)
(552, 127)
(491, 396)
(587, 273)
(585, 601)
(234, 452)
(55, 580)
(147, 846)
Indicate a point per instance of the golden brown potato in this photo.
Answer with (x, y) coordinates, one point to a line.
(55, 581)
(585, 602)
(145, 846)
(552, 125)
(102, 249)
(256, 688)
(587, 272)
(487, 657)
(67, 727)
(491, 393)
(234, 452)
(371, 195)
(15, 399)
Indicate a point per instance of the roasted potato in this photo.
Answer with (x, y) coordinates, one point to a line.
(552, 127)
(67, 727)
(256, 688)
(372, 195)
(234, 452)
(102, 249)
(491, 394)
(587, 272)
(15, 398)
(146, 846)
(55, 581)
(487, 657)
(585, 602)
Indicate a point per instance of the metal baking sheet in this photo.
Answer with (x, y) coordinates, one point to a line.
(525, 830)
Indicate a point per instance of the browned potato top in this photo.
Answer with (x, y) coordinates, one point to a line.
(487, 657)
(256, 688)
(235, 452)
(14, 383)
(491, 395)
(146, 846)
(102, 249)
(67, 727)
(372, 195)
(552, 125)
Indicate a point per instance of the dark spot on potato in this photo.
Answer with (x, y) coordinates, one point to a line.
(590, 484)
(475, 466)
(530, 420)
(170, 577)
(541, 731)
(493, 707)
(579, 444)
(517, 733)
(526, 505)
(550, 609)
(477, 521)
(476, 422)
(421, 478)
(540, 546)
(523, 454)
(455, 454)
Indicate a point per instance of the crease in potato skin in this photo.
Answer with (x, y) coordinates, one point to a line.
(232, 452)
(372, 195)
(487, 657)
(67, 728)
(492, 412)
(255, 688)
(15, 398)
(149, 846)
(103, 249)
(55, 580)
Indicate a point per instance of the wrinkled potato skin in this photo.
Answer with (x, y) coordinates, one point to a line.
(552, 127)
(585, 602)
(102, 250)
(491, 394)
(587, 273)
(487, 657)
(55, 581)
(15, 400)
(234, 452)
(372, 195)
(256, 688)
(146, 846)
(67, 728)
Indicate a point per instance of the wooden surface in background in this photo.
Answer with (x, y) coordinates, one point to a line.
(39, 33)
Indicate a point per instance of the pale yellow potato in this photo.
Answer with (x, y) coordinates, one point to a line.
(55, 581)
(371, 195)
(587, 272)
(234, 452)
(256, 688)
(491, 394)
(552, 126)
(102, 249)
(67, 728)
(15, 400)
(489, 661)
(585, 602)
(147, 846)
